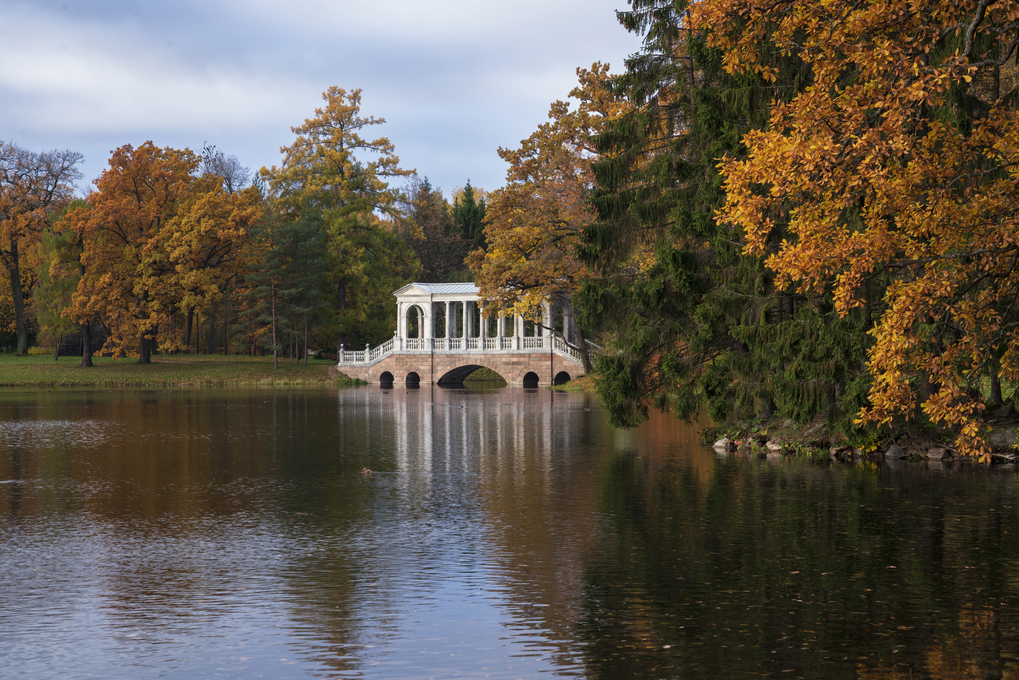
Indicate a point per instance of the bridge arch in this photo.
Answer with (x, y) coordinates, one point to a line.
(561, 378)
(530, 379)
(412, 380)
(386, 380)
(457, 375)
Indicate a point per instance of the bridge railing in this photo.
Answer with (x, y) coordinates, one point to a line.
(373, 354)
(566, 348)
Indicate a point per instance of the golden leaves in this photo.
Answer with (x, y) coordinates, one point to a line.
(536, 220)
(857, 180)
(157, 239)
(331, 163)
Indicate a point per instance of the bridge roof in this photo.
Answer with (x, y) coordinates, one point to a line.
(437, 289)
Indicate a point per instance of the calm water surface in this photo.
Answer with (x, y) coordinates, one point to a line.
(503, 534)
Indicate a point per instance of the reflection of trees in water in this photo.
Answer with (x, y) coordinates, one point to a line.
(464, 488)
(813, 570)
(617, 554)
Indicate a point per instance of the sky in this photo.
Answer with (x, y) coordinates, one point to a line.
(454, 80)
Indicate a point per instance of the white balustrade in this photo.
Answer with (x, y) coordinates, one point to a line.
(374, 354)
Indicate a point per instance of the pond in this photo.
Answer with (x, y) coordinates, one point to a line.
(500, 533)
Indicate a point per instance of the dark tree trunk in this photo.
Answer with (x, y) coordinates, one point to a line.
(341, 304)
(56, 350)
(226, 325)
(996, 397)
(210, 332)
(188, 323)
(18, 296)
(86, 345)
(585, 358)
(275, 345)
(145, 349)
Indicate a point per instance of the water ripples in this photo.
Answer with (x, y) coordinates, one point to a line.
(30, 434)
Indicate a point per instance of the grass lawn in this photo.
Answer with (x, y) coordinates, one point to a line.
(42, 371)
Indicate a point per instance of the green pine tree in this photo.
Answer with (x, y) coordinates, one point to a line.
(705, 326)
(469, 217)
(289, 279)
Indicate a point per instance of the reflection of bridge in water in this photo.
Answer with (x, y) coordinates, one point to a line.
(504, 481)
(442, 337)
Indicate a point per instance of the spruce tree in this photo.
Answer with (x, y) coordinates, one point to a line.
(704, 325)
(469, 217)
(289, 279)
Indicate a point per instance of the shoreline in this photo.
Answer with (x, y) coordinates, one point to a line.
(183, 371)
(814, 441)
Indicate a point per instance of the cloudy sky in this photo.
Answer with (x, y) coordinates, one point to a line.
(453, 79)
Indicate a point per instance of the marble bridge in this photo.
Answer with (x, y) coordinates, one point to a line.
(442, 337)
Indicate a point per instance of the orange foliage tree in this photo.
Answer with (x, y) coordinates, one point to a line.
(157, 240)
(900, 163)
(31, 185)
(536, 221)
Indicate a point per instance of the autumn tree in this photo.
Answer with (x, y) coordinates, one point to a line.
(58, 271)
(157, 240)
(899, 163)
(331, 165)
(691, 320)
(333, 168)
(537, 220)
(369, 261)
(31, 185)
(427, 225)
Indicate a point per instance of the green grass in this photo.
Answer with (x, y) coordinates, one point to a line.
(484, 375)
(178, 370)
(585, 383)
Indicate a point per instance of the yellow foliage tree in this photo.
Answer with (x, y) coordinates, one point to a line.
(900, 161)
(536, 221)
(157, 240)
(323, 168)
(31, 185)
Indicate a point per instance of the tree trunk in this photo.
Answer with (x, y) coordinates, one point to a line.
(226, 324)
(275, 347)
(210, 332)
(305, 339)
(585, 358)
(18, 296)
(341, 304)
(145, 350)
(996, 397)
(188, 322)
(56, 350)
(86, 345)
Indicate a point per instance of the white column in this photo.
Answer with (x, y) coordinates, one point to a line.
(546, 320)
(426, 321)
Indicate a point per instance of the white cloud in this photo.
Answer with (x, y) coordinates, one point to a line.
(454, 80)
